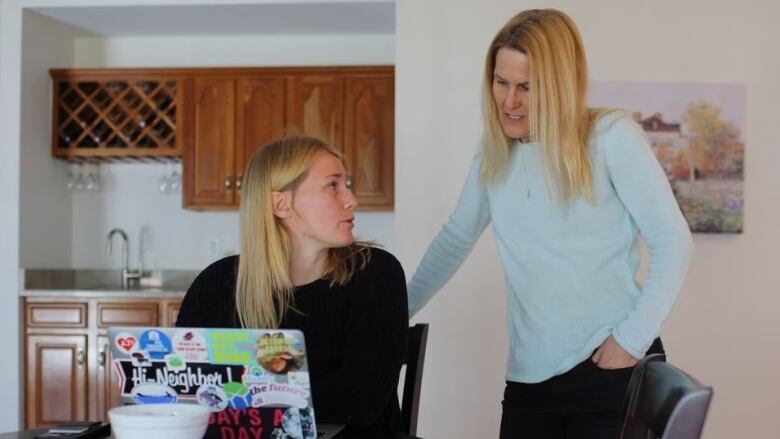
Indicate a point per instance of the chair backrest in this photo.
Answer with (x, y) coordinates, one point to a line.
(664, 402)
(415, 360)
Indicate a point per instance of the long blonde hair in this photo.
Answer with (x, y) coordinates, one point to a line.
(264, 291)
(559, 118)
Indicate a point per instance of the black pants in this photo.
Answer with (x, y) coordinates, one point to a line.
(584, 403)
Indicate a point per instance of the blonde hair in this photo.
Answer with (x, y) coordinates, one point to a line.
(559, 118)
(264, 291)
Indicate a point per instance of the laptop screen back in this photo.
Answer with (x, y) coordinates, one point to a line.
(254, 381)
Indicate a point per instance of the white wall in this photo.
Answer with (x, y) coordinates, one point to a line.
(10, 58)
(173, 238)
(723, 329)
(235, 50)
(45, 202)
(34, 209)
(439, 46)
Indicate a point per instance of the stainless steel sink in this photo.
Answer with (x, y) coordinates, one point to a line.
(105, 280)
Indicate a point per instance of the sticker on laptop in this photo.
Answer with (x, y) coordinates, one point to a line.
(175, 363)
(140, 359)
(126, 342)
(278, 353)
(153, 393)
(230, 346)
(277, 394)
(258, 375)
(297, 424)
(191, 344)
(212, 397)
(156, 343)
(238, 395)
(300, 379)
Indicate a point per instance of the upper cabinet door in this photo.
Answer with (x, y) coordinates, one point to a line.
(369, 139)
(260, 117)
(209, 159)
(316, 107)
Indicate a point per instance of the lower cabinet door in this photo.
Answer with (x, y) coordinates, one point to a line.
(170, 312)
(106, 384)
(56, 379)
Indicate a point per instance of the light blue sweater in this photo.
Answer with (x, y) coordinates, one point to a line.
(570, 268)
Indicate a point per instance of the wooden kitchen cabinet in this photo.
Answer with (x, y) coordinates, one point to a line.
(216, 118)
(106, 391)
(209, 156)
(170, 312)
(67, 370)
(57, 376)
(260, 117)
(228, 119)
(231, 113)
(316, 106)
(116, 113)
(369, 139)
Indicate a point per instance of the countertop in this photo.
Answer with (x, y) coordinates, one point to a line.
(80, 283)
(151, 293)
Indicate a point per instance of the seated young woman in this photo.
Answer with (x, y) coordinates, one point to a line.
(300, 268)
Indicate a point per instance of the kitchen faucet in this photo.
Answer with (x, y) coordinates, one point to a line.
(127, 274)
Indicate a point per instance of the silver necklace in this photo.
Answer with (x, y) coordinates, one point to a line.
(525, 172)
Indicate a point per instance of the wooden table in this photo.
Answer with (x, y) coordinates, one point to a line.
(354, 433)
(348, 433)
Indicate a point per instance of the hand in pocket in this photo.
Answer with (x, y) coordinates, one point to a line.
(611, 356)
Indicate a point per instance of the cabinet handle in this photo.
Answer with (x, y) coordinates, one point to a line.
(228, 182)
(80, 357)
(102, 358)
(238, 182)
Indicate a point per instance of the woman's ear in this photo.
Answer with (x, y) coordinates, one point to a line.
(282, 204)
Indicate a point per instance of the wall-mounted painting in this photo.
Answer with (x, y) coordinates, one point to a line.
(697, 133)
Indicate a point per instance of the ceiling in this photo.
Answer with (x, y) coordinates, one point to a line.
(339, 18)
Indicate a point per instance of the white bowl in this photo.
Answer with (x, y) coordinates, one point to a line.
(159, 421)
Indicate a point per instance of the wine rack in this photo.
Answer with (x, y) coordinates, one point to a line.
(111, 115)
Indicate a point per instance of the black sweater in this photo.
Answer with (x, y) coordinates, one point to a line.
(356, 335)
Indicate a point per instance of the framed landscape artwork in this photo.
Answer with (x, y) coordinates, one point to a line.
(697, 133)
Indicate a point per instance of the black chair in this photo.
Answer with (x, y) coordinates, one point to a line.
(415, 359)
(664, 402)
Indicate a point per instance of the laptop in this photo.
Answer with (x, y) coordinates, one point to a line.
(254, 381)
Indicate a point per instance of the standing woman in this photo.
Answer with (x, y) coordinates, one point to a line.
(300, 268)
(567, 189)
